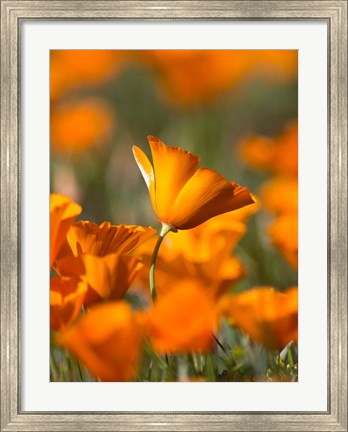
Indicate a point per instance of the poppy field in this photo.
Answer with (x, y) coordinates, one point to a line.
(173, 216)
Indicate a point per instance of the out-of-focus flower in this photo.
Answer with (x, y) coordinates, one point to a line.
(258, 152)
(77, 126)
(182, 196)
(220, 233)
(284, 235)
(200, 246)
(182, 320)
(266, 315)
(76, 68)
(280, 195)
(107, 339)
(99, 256)
(66, 298)
(215, 275)
(278, 155)
(63, 212)
(202, 254)
(185, 76)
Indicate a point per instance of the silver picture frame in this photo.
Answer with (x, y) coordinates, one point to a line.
(334, 13)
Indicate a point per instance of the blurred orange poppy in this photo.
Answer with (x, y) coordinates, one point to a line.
(185, 76)
(183, 319)
(220, 233)
(107, 339)
(66, 298)
(280, 194)
(202, 254)
(267, 316)
(284, 235)
(74, 68)
(182, 196)
(63, 212)
(80, 125)
(215, 275)
(279, 155)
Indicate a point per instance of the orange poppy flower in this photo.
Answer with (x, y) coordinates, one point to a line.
(63, 212)
(266, 315)
(76, 68)
(188, 77)
(284, 235)
(107, 339)
(66, 298)
(215, 275)
(201, 254)
(99, 256)
(107, 277)
(86, 237)
(279, 154)
(182, 196)
(80, 125)
(182, 320)
(258, 152)
(280, 195)
(202, 243)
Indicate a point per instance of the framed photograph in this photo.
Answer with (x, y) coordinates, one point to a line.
(190, 272)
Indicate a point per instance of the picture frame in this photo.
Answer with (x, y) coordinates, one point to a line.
(334, 13)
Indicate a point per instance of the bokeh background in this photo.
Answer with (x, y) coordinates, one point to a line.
(237, 110)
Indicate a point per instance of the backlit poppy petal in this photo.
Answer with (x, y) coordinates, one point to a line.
(109, 277)
(146, 171)
(173, 168)
(88, 237)
(206, 195)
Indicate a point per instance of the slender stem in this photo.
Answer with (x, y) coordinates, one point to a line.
(164, 231)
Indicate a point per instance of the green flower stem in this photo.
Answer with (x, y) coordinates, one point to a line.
(164, 231)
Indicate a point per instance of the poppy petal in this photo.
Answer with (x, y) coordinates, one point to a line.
(266, 315)
(206, 195)
(147, 172)
(66, 298)
(109, 277)
(184, 319)
(63, 212)
(173, 168)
